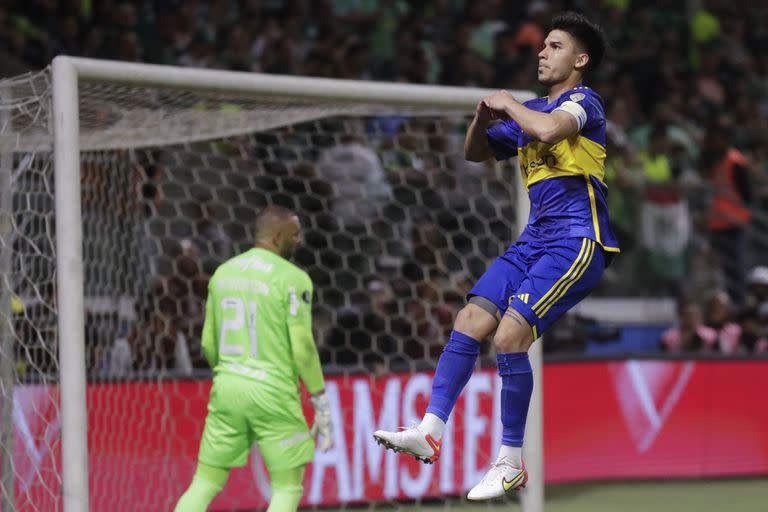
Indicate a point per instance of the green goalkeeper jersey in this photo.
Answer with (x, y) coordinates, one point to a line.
(258, 322)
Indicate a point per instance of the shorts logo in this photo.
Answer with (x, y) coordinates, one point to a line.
(523, 297)
(305, 296)
(294, 439)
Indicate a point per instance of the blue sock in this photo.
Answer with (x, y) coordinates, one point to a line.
(516, 389)
(454, 368)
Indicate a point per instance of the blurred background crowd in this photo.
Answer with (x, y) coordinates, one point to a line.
(686, 94)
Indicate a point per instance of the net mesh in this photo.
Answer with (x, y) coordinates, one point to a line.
(29, 430)
(397, 226)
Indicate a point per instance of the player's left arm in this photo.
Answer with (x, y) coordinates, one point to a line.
(303, 346)
(549, 128)
(306, 358)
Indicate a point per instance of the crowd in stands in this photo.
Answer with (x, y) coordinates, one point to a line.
(686, 94)
(719, 326)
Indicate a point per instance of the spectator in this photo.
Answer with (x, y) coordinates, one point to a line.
(361, 188)
(199, 53)
(757, 288)
(530, 36)
(398, 202)
(690, 334)
(729, 213)
(160, 347)
(119, 362)
(237, 53)
(719, 315)
(664, 213)
(761, 342)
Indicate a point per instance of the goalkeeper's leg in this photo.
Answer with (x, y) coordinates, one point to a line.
(286, 489)
(206, 485)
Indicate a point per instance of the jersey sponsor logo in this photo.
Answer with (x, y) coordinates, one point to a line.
(577, 96)
(305, 296)
(254, 263)
(547, 160)
(242, 285)
(293, 302)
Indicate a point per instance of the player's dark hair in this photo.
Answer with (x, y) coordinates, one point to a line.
(587, 34)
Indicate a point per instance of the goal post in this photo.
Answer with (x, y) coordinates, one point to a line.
(282, 100)
(69, 275)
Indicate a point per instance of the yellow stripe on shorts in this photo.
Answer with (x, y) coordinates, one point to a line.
(536, 307)
(570, 282)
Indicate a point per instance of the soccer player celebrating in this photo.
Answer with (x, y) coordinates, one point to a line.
(258, 339)
(554, 264)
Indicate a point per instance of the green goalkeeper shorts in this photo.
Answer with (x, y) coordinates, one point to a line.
(242, 412)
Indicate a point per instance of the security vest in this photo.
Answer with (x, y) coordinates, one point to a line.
(656, 168)
(727, 210)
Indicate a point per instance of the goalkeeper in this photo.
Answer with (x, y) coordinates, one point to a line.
(257, 337)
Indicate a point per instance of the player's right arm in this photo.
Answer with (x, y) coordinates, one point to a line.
(484, 141)
(476, 147)
(303, 346)
(209, 344)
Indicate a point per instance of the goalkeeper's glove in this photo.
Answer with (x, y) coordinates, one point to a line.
(322, 425)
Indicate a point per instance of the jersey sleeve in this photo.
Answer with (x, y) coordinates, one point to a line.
(585, 106)
(502, 138)
(299, 320)
(208, 342)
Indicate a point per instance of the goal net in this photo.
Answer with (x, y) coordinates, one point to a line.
(173, 166)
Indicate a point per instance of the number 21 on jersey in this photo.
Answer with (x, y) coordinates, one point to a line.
(235, 328)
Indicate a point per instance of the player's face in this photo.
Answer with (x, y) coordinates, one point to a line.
(291, 237)
(559, 57)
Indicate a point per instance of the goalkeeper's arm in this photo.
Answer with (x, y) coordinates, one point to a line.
(306, 357)
(308, 361)
(311, 374)
(210, 347)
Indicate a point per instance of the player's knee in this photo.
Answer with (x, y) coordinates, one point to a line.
(463, 318)
(285, 499)
(512, 338)
(475, 322)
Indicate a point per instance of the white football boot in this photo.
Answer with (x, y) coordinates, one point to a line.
(413, 441)
(502, 478)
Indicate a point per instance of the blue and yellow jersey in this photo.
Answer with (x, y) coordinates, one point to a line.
(565, 181)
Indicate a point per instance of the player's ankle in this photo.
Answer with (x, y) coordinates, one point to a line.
(433, 425)
(512, 453)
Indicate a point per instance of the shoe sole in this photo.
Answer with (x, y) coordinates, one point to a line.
(389, 446)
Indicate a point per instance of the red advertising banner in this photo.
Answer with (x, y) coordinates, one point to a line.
(627, 419)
